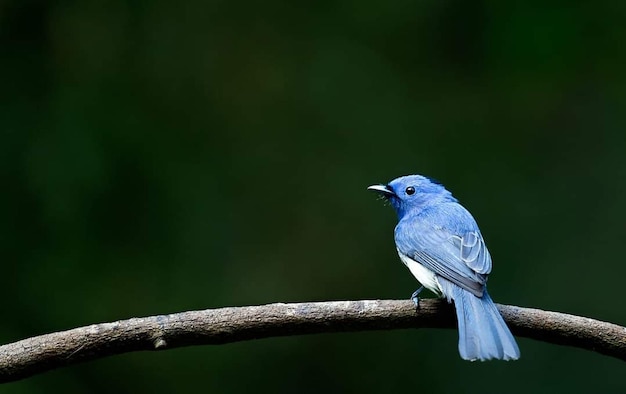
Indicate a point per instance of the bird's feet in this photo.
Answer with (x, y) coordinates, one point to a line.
(415, 297)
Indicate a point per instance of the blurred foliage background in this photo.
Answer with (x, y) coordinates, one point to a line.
(160, 156)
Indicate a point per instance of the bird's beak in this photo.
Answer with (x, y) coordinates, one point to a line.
(385, 190)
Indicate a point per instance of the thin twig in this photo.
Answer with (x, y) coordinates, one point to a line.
(35, 355)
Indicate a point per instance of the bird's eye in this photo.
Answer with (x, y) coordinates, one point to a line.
(410, 190)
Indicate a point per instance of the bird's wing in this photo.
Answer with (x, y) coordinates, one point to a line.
(459, 256)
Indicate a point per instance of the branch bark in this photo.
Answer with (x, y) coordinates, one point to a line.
(35, 355)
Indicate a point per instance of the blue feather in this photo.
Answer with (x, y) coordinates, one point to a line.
(483, 334)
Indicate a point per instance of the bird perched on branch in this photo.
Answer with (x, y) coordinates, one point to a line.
(439, 241)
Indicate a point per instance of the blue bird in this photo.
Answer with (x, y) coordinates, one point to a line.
(440, 243)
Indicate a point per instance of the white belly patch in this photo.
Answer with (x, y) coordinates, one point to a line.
(425, 276)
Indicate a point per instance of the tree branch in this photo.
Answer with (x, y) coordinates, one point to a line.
(34, 355)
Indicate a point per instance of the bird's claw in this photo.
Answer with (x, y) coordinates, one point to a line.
(415, 297)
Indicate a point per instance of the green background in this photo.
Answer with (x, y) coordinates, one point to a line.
(160, 156)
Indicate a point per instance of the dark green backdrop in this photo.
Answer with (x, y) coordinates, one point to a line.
(161, 156)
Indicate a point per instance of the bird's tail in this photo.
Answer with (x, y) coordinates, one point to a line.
(483, 334)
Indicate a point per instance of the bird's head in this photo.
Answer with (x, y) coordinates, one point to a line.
(412, 193)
